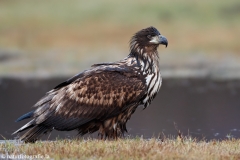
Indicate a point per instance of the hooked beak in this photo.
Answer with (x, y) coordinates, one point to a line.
(163, 40)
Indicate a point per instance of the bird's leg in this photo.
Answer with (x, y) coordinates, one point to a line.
(101, 132)
(106, 136)
(118, 131)
(100, 135)
(115, 134)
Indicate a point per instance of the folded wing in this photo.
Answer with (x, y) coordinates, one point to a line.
(94, 96)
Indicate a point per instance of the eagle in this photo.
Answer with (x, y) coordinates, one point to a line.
(102, 98)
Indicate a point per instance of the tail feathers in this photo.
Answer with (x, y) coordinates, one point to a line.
(26, 126)
(34, 134)
(25, 116)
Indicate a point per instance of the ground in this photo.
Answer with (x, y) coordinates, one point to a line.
(137, 148)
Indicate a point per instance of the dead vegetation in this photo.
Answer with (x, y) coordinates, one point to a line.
(137, 148)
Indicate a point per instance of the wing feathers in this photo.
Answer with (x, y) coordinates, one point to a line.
(48, 97)
(84, 99)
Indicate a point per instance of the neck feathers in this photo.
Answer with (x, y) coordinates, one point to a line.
(146, 56)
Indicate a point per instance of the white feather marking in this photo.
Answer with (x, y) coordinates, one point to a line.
(114, 126)
(146, 99)
(155, 89)
(148, 78)
(160, 82)
(146, 65)
(153, 83)
(58, 107)
(155, 40)
(23, 127)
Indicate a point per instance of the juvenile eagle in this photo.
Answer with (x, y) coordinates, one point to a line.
(102, 98)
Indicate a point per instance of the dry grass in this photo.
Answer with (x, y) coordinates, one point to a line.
(138, 148)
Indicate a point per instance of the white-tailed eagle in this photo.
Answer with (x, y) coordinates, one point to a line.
(102, 98)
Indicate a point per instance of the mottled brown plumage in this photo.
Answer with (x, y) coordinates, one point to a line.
(102, 98)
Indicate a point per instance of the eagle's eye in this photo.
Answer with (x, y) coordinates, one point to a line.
(149, 36)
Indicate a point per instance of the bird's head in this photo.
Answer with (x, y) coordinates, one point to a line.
(148, 38)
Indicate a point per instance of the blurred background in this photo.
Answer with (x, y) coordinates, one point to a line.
(45, 42)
